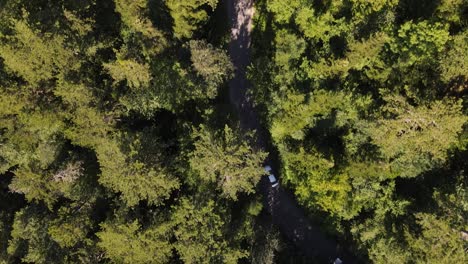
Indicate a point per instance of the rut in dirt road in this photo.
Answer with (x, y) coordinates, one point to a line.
(285, 211)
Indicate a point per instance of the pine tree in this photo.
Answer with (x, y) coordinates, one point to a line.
(189, 15)
(200, 234)
(416, 139)
(227, 160)
(130, 243)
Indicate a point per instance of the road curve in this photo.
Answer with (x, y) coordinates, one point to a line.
(286, 213)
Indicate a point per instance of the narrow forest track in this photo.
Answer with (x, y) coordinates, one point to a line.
(286, 213)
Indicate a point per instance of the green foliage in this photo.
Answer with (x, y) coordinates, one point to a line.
(383, 243)
(81, 26)
(416, 139)
(363, 9)
(137, 75)
(35, 187)
(170, 89)
(74, 95)
(33, 56)
(189, 15)
(309, 172)
(451, 10)
(134, 15)
(455, 63)
(88, 127)
(130, 243)
(289, 49)
(134, 175)
(29, 238)
(27, 139)
(172, 86)
(453, 205)
(211, 64)
(32, 145)
(199, 233)
(298, 114)
(319, 27)
(437, 243)
(94, 106)
(4, 236)
(419, 43)
(72, 225)
(283, 11)
(227, 159)
(362, 56)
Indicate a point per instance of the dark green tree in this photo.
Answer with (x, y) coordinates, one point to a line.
(200, 233)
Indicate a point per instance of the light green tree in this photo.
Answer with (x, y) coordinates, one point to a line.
(288, 52)
(451, 10)
(72, 228)
(455, 63)
(437, 243)
(137, 75)
(210, 63)
(35, 56)
(138, 26)
(189, 15)
(127, 170)
(419, 43)
(319, 27)
(130, 243)
(298, 112)
(282, 10)
(28, 136)
(35, 184)
(361, 55)
(227, 159)
(363, 9)
(415, 139)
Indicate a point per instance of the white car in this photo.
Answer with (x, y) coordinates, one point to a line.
(274, 182)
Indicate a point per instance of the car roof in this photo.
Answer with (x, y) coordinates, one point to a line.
(272, 178)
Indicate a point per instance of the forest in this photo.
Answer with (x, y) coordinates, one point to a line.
(119, 142)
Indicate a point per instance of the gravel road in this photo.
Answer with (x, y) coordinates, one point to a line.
(286, 213)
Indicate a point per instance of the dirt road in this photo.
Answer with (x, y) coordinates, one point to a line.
(285, 211)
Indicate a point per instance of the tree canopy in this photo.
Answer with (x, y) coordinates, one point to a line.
(120, 141)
